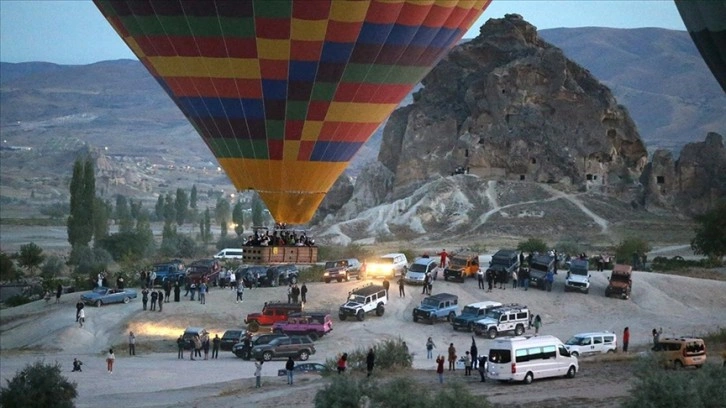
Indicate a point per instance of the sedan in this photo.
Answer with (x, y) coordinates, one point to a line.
(102, 296)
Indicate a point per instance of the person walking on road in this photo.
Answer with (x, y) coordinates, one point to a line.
(110, 359)
(386, 285)
(79, 306)
(537, 324)
(81, 317)
(401, 287)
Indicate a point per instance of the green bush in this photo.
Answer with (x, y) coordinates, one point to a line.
(39, 385)
(658, 388)
(626, 251)
(17, 300)
(314, 273)
(532, 245)
(389, 354)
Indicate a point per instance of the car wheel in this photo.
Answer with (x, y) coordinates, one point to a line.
(342, 316)
(253, 326)
(339, 280)
(470, 326)
(380, 310)
(492, 333)
(267, 355)
(304, 355)
(528, 378)
(127, 299)
(415, 319)
(611, 351)
(327, 280)
(360, 315)
(450, 318)
(519, 330)
(677, 365)
(587, 291)
(571, 372)
(346, 277)
(98, 303)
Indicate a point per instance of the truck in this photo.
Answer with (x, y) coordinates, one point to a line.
(462, 265)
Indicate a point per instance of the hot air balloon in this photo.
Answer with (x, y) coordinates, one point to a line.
(706, 23)
(285, 92)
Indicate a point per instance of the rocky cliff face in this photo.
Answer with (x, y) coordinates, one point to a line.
(508, 106)
(693, 183)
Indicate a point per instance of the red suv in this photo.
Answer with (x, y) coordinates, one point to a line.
(272, 312)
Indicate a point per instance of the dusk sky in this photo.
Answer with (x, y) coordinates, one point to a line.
(75, 32)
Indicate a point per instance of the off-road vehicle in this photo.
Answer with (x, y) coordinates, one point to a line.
(679, 352)
(507, 260)
(386, 266)
(620, 281)
(473, 313)
(312, 324)
(300, 347)
(437, 307)
(362, 300)
(462, 265)
(341, 270)
(538, 268)
(272, 312)
(578, 277)
(508, 318)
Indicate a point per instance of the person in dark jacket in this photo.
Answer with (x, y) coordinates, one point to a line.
(290, 368)
(483, 368)
(154, 296)
(161, 299)
(180, 342)
(167, 290)
(386, 285)
(215, 346)
(177, 291)
(58, 293)
(474, 353)
(370, 361)
(80, 306)
(304, 292)
(144, 297)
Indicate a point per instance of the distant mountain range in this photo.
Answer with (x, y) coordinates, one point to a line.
(657, 74)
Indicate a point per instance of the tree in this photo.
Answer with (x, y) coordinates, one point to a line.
(122, 215)
(89, 196)
(135, 208)
(223, 230)
(257, 209)
(710, 239)
(630, 251)
(159, 208)
(39, 385)
(83, 192)
(532, 245)
(8, 271)
(145, 235)
(221, 211)
(205, 228)
(181, 205)
(193, 198)
(169, 209)
(238, 219)
(101, 210)
(30, 257)
(52, 268)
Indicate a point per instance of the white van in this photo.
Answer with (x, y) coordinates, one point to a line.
(585, 344)
(527, 358)
(230, 253)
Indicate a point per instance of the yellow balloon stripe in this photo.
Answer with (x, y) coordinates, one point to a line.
(242, 68)
(293, 175)
(353, 112)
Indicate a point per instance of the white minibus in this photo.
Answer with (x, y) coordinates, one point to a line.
(526, 358)
(230, 253)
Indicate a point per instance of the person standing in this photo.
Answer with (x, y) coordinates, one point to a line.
(444, 258)
(144, 297)
(290, 368)
(440, 368)
(430, 346)
(537, 324)
(656, 339)
(386, 285)
(515, 279)
(289, 293)
(425, 288)
(240, 293)
(161, 300)
(215, 346)
(549, 280)
(58, 293)
(196, 347)
(192, 290)
(467, 364)
(304, 292)
(474, 353)
(167, 290)
(452, 357)
(480, 278)
(205, 345)
(342, 363)
(132, 344)
(180, 347)
(79, 306)
(77, 364)
(626, 339)
(524, 276)
(490, 280)
(154, 296)
(258, 373)
(177, 291)
(483, 368)
(295, 293)
(110, 358)
(401, 287)
(370, 361)
(81, 316)
(203, 293)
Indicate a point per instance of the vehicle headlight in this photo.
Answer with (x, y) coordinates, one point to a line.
(326, 274)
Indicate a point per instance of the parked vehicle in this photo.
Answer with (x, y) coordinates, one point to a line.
(461, 266)
(300, 347)
(418, 270)
(540, 265)
(173, 271)
(442, 306)
(620, 283)
(272, 312)
(314, 325)
(189, 334)
(342, 270)
(387, 266)
(507, 318)
(306, 368)
(585, 344)
(280, 275)
(204, 270)
(506, 260)
(230, 253)
(528, 358)
(251, 276)
(230, 338)
(472, 313)
(362, 300)
(100, 296)
(239, 348)
(578, 276)
(679, 352)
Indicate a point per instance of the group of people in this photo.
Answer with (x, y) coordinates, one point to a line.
(297, 294)
(197, 345)
(279, 237)
(470, 360)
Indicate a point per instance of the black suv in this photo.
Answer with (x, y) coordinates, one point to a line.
(342, 270)
(540, 265)
(506, 260)
(300, 347)
(260, 339)
(279, 275)
(230, 338)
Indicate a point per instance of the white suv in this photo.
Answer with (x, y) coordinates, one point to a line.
(362, 300)
(508, 318)
(585, 344)
(578, 277)
(387, 266)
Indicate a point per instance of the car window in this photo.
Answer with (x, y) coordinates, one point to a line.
(498, 356)
(282, 341)
(609, 339)
(503, 318)
(563, 351)
(597, 339)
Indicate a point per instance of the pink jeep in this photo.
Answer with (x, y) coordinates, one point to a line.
(312, 324)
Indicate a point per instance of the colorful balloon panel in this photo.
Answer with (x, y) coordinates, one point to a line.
(706, 23)
(285, 92)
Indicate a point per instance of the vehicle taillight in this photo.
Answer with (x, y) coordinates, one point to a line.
(514, 368)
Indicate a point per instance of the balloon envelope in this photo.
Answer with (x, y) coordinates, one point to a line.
(706, 23)
(285, 92)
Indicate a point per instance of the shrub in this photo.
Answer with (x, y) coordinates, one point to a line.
(630, 250)
(389, 354)
(17, 300)
(532, 245)
(39, 385)
(312, 274)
